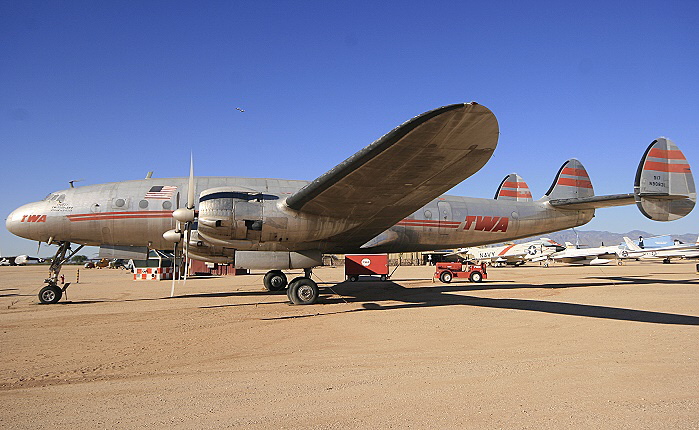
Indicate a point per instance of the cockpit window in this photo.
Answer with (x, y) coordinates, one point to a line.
(61, 198)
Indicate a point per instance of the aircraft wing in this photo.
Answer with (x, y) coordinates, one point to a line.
(402, 171)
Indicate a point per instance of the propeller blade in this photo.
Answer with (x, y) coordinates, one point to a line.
(174, 270)
(190, 187)
(187, 234)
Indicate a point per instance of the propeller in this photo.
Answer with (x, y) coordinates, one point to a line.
(185, 219)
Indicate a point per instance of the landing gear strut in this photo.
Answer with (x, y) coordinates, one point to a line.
(52, 293)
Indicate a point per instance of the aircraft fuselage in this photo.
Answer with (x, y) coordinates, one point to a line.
(250, 214)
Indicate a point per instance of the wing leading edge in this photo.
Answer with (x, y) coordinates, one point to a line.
(402, 171)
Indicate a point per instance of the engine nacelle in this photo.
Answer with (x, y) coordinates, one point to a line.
(231, 213)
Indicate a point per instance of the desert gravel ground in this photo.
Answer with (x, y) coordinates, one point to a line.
(544, 348)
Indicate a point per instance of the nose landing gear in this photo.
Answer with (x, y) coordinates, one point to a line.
(52, 293)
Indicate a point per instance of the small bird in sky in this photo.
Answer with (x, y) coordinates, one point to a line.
(239, 109)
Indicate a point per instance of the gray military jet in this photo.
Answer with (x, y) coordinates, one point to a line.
(385, 198)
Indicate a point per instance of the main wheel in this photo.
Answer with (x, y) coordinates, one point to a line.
(353, 278)
(446, 277)
(383, 277)
(274, 280)
(50, 294)
(476, 277)
(303, 291)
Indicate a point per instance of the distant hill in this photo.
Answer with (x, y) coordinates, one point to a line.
(592, 238)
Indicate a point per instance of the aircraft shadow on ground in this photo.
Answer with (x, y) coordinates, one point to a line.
(371, 293)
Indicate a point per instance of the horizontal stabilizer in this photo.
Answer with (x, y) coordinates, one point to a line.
(664, 187)
(513, 188)
(663, 190)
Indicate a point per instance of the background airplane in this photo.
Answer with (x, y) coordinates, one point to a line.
(586, 256)
(385, 198)
(511, 254)
(19, 260)
(666, 253)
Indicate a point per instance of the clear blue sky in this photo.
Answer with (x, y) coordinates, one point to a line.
(106, 91)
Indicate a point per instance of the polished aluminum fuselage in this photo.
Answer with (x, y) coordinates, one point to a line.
(123, 214)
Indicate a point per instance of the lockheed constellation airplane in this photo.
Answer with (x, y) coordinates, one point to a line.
(385, 198)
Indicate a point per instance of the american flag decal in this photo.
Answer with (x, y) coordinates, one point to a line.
(161, 192)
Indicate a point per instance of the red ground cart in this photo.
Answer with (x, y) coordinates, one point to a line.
(445, 272)
(366, 264)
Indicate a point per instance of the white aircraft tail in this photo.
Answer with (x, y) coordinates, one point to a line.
(631, 245)
(572, 181)
(513, 188)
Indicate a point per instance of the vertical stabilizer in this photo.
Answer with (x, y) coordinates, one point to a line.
(572, 181)
(664, 187)
(513, 188)
(632, 246)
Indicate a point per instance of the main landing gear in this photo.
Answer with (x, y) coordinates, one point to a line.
(52, 293)
(301, 291)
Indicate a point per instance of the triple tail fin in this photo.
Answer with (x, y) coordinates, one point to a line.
(513, 188)
(572, 182)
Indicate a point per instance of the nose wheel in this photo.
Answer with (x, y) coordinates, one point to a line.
(52, 293)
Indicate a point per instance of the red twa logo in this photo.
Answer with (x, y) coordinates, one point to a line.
(34, 218)
(487, 223)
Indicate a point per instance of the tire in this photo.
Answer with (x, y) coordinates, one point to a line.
(303, 291)
(50, 294)
(476, 277)
(353, 278)
(274, 280)
(446, 277)
(383, 278)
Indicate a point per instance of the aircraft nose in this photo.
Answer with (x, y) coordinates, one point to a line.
(16, 223)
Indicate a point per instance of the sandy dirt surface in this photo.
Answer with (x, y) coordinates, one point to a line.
(532, 347)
